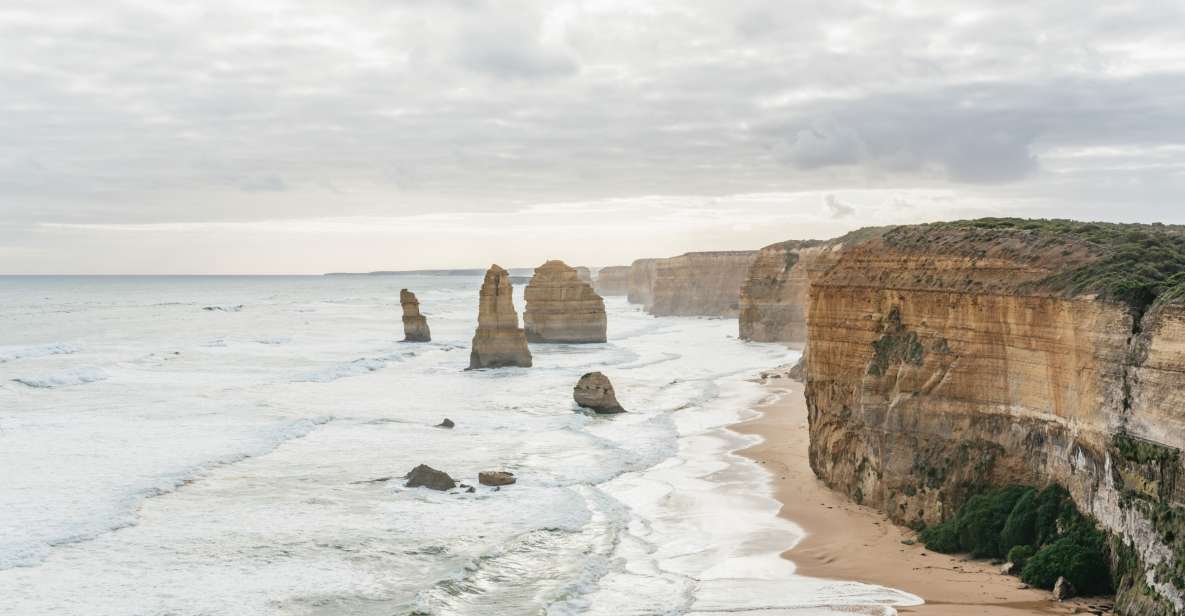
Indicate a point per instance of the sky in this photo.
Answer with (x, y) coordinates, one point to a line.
(304, 137)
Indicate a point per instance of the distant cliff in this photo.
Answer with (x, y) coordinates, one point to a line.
(700, 283)
(945, 358)
(641, 282)
(613, 280)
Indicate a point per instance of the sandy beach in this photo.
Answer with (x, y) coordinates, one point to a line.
(851, 542)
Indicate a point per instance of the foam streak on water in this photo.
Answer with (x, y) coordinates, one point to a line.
(159, 456)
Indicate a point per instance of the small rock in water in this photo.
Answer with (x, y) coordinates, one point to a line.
(495, 478)
(447, 423)
(1063, 589)
(428, 477)
(594, 391)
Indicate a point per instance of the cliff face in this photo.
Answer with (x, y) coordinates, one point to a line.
(613, 280)
(498, 341)
(776, 293)
(415, 326)
(562, 307)
(700, 283)
(941, 360)
(641, 282)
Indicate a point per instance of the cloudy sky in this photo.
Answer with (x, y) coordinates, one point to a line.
(289, 137)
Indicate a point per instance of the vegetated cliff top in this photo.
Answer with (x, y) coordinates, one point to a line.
(862, 234)
(1137, 264)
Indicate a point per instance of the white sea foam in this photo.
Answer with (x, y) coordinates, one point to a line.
(12, 353)
(233, 493)
(65, 378)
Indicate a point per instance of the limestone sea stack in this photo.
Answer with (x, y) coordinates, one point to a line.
(415, 326)
(561, 307)
(499, 341)
(594, 391)
(613, 280)
(583, 273)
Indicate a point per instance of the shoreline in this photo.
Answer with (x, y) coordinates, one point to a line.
(846, 541)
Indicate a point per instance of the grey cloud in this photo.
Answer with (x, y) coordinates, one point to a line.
(837, 208)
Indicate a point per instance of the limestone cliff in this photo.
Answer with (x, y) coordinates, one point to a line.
(641, 282)
(583, 273)
(700, 283)
(498, 342)
(613, 280)
(776, 291)
(943, 358)
(561, 307)
(415, 326)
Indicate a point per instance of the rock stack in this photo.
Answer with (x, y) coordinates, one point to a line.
(594, 391)
(561, 307)
(415, 326)
(583, 273)
(499, 341)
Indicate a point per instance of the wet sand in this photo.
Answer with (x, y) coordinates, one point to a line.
(850, 542)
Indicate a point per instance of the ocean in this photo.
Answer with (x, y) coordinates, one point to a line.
(191, 446)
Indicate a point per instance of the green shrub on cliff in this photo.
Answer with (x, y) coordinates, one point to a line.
(1042, 533)
(1080, 556)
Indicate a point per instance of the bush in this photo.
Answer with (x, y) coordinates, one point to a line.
(943, 538)
(1019, 555)
(982, 521)
(1021, 526)
(1079, 556)
(1051, 504)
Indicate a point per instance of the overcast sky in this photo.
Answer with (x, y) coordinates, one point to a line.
(289, 137)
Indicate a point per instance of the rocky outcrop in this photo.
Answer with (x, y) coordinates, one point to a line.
(561, 307)
(594, 391)
(495, 478)
(447, 424)
(499, 341)
(946, 358)
(415, 326)
(776, 291)
(641, 282)
(613, 280)
(700, 283)
(428, 477)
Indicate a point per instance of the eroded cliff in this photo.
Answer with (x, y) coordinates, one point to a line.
(946, 358)
(776, 292)
(641, 282)
(700, 283)
(613, 280)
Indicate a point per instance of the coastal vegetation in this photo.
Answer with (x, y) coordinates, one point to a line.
(1135, 264)
(1041, 532)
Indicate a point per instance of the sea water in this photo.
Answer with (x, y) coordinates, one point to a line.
(234, 445)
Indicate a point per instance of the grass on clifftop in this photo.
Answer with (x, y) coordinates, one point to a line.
(1042, 533)
(1136, 264)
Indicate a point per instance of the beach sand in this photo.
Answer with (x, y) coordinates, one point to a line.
(850, 542)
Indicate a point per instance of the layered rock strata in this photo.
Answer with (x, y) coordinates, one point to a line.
(499, 341)
(776, 291)
(700, 283)
(946, 358)
(415, 326)
(613, 280)
(595, 391)
(641, 282)
(561, 307)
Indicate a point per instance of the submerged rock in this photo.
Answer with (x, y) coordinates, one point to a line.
(562, 307)
(447, 423)
(428, 477)
(594, 391)
(415, 326)
(495, 478)
(498, 341)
